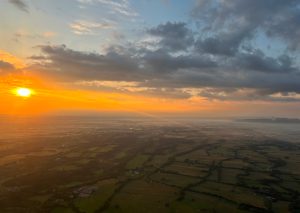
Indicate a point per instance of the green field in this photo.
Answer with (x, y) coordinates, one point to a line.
(157, 168)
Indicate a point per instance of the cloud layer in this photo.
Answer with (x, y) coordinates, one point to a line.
(20, 4)
(217, 55)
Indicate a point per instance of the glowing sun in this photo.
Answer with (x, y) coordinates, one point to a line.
(24, 92)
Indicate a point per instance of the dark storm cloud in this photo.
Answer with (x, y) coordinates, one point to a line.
(70, 64)
(287, 27)
(117, 64)
(224, 43)
(257, 61)
(161, 61)
(278, 82)
(20, 4)
(242, 19)
(174, 36)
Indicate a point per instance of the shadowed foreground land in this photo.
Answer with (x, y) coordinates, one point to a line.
(90, 165)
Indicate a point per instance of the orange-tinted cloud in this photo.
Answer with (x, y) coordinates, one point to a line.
(51, 96)
(9, 58)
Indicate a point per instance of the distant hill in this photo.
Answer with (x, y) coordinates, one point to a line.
(271, 120)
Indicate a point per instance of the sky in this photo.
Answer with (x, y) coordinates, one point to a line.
(192, 57)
